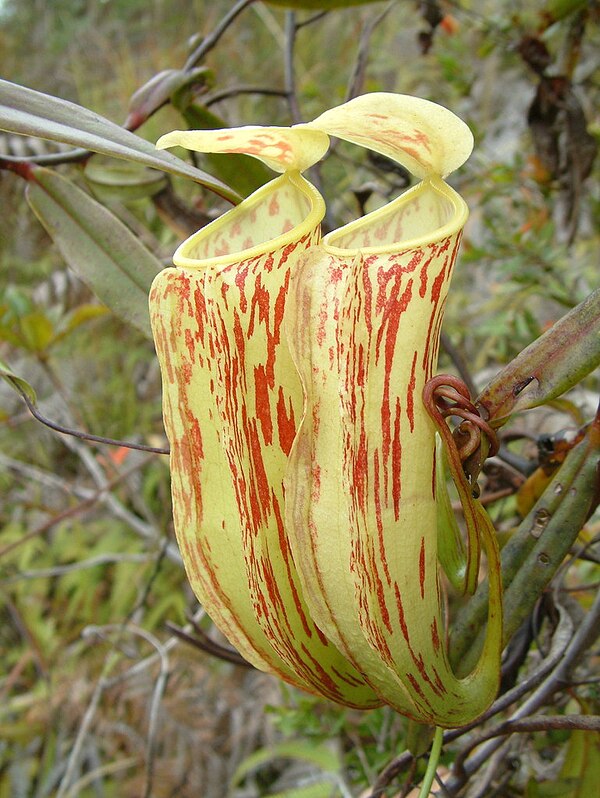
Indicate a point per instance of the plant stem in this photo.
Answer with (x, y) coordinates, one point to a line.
(213, 37)
(434, 758)
(534, 553)
(290, 71)
(85, 436)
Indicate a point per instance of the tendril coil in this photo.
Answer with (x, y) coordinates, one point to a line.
(446, 395)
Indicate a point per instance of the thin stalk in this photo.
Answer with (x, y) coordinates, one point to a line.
(213, 37)
(290, 70)
(85, 436)
(434, 758)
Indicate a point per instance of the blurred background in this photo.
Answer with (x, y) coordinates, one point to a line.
(99, 694)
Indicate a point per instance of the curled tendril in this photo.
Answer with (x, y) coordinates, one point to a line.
(447, 395)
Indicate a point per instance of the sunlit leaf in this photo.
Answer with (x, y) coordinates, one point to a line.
(11, 335)
(80, 315)
(100, 249)
(531, 490)
(32, 113)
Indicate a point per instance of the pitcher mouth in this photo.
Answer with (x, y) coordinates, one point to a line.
(275, 215)
(428, 212)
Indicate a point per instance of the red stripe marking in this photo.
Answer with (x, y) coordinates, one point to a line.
(199, 312)
(435, 637)
(385, 615)
(401, 617)
(416, 686)
(286, 423)
(389, 327)
(439, 682)
(422, 568)
(397, 461)
(324, 681)
(423, 274)
(290, 570)
(353, 681)
(410, 396)
(418, 660)
(262, 405)
(377, 499)
(241, 275)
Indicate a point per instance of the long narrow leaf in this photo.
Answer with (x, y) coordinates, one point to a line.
(31, 113)
(99, 248)
(548, 367)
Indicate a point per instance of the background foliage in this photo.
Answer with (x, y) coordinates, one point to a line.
(98, 695)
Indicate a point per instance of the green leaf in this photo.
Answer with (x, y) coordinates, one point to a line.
(99, 248)
(11, 335)
(80, 315)
(548, 367)
(20, 385)
(582, 764)
(319, 755)
(37, 331)
(31, 113)
(559, 9)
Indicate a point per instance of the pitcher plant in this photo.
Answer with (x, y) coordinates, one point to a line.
(297, 390)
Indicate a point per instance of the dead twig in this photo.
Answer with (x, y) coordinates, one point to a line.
(357, 78)
(210, 41)
(202, 641)
(290, 71)
(85, 436)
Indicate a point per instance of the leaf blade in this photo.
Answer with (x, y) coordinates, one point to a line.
(32, 113)
(99, 248)
(549, 366)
